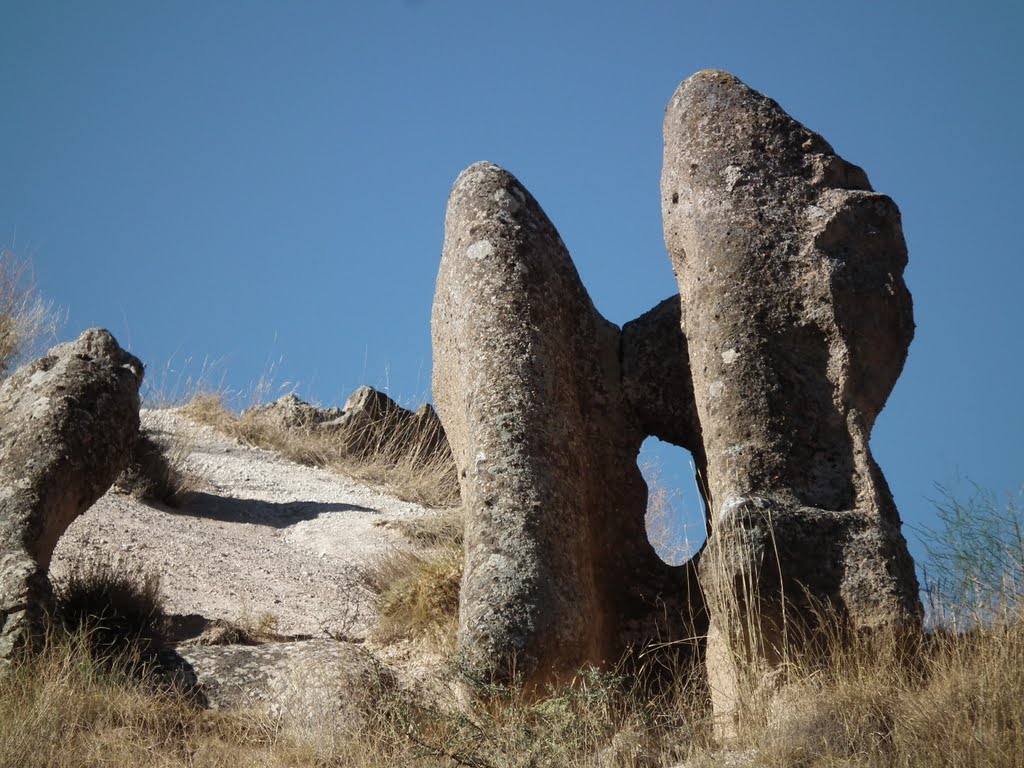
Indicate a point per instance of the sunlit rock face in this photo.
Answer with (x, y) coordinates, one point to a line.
(797, 323)
(528, 383)
(68, 422)
(790, 328)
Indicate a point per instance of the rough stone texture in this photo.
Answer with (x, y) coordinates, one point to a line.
(798, 322)
(371, 419)
(307, 683)
(370, 423)
(529, 386)
(68, 422)
(656, 379)
(291, 412)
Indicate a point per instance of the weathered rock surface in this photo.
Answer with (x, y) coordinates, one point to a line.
(67, 425)
(797, 322)
(529, 385)
(369, 424)
(291, 412)
(656, 378)
(306, 683)
(371, 420)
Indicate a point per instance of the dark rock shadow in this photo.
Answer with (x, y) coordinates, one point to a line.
(258, 512)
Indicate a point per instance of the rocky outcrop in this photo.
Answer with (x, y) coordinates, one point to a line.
(291, 412)
(370, 424)
(797, 323)
(304, 684)
(371, 420)
(529, 384)
(790, 329)
(68, 422)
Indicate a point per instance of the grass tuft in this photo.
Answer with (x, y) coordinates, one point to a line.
(157, 470)
(120, 611)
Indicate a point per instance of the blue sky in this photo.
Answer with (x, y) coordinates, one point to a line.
(259, 188)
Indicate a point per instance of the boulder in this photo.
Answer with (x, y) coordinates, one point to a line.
(291, 412)
(797, 323)
(370, 424)
(308, 684)
(528, 382)
(373, 424)
(68, 422)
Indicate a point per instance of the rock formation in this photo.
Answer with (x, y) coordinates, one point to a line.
(790, 329)
(369, 424)
(529, 384)
(294, 413)
(798, 323)
(372, 419)
(67, 425)
(301, 684)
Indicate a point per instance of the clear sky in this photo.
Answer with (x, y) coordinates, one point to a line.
(253, 188)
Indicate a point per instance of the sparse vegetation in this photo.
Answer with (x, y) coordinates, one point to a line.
(418, 591)
(418, 594)
(956, 699)
(960, 704)
(157, 470)
(120, 612)
(407, 465)
(25, 317)
(975, 556)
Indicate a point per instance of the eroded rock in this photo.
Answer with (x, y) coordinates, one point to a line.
(529, 385)
(315, 684)
(68, 422)
(798, 323)
(370, 424)
(292, 412)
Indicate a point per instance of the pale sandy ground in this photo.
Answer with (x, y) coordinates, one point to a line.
(264, 541)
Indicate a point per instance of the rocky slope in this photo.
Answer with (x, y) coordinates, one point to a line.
(264, 542)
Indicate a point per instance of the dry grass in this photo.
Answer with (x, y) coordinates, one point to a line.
(120, 611)
(418, 595)
(65, 710)
(959, 701)
(418, 591)
(26, 319)
(408, 465)
(960, 704)
(954, 699)
(157, 470)
(61, 710)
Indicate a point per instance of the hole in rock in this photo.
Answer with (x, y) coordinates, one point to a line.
(675, 510)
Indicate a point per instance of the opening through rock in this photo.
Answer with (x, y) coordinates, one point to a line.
(675, 510)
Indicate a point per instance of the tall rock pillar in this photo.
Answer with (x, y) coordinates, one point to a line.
(529, 385)
(798, 323)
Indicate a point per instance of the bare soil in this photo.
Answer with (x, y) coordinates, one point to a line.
(265, 543)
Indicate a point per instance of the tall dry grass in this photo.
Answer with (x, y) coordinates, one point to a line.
(418, 590)
(158, 468)
(954, 699)
(26, 319)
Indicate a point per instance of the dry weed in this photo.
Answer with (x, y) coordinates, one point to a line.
(25, 317)
(120, 611)
(418, 594)
(158, 470)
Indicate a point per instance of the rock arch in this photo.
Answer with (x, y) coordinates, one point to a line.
(789, 331)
